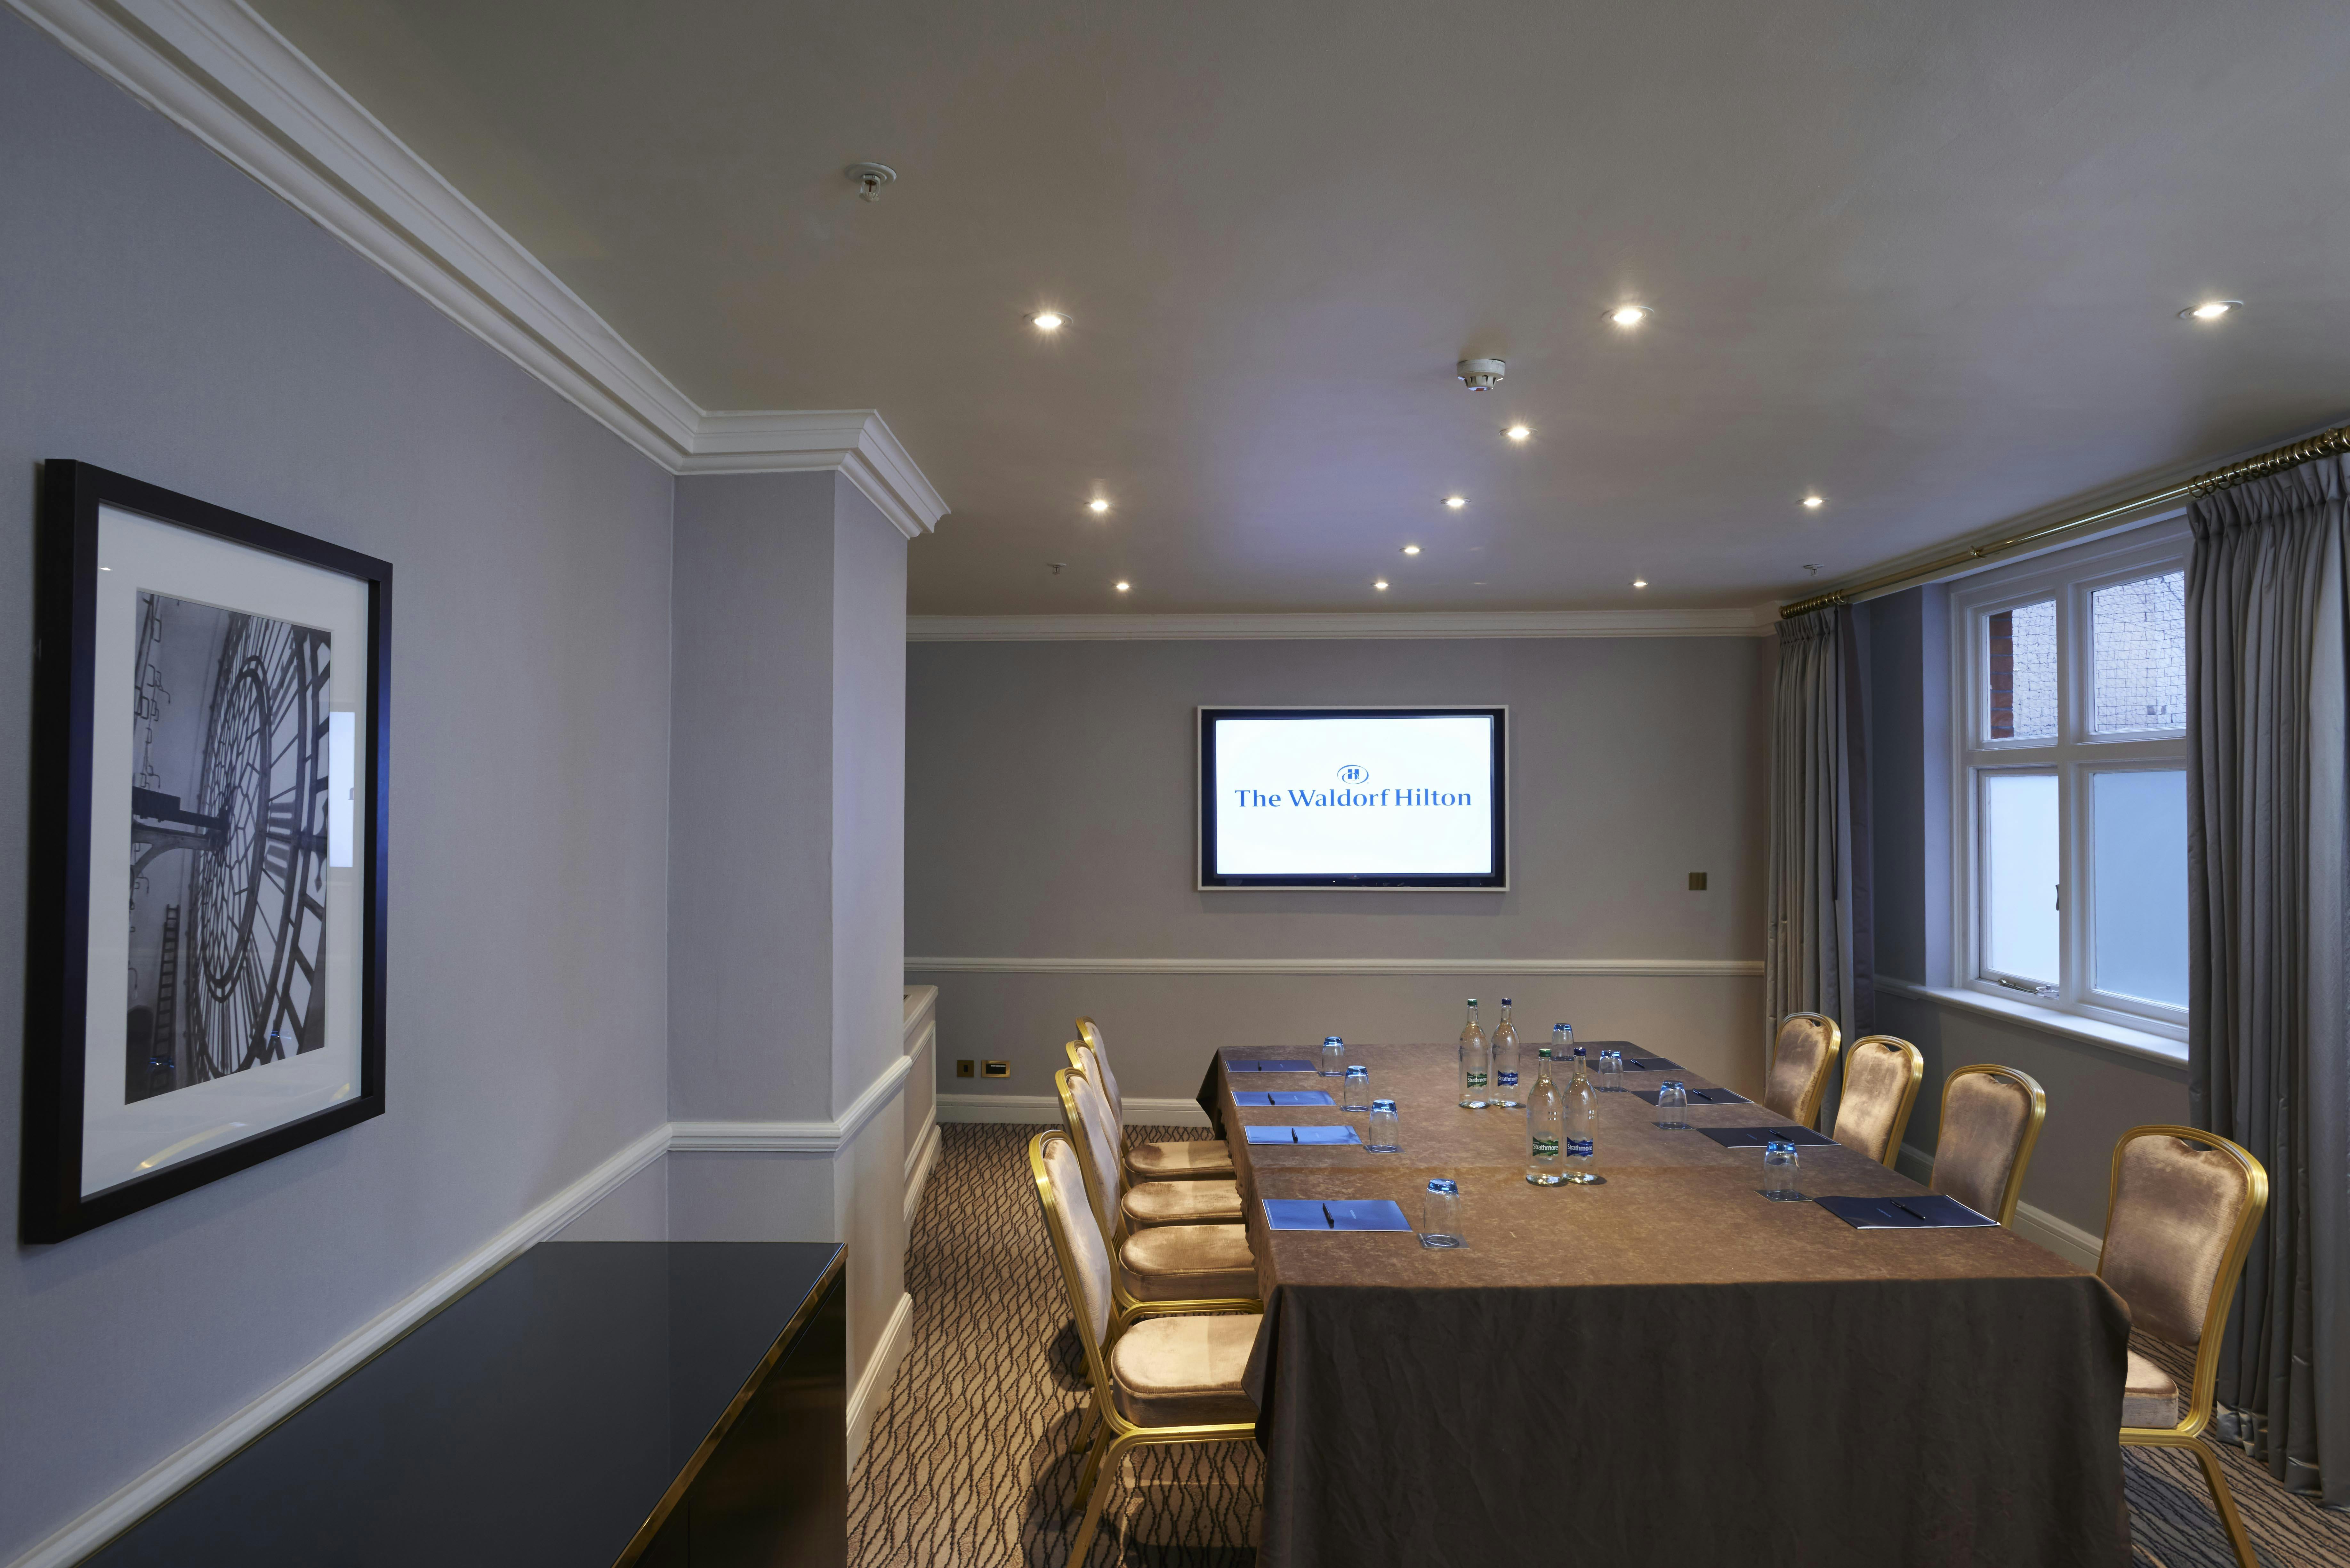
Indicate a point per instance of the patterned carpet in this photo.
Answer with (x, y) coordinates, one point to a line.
(969, 1464)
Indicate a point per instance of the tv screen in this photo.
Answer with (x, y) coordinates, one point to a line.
(1382, 798)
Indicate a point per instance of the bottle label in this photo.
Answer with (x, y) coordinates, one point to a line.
(1546, 1148)
(1507, 1080)
(1476, 1080)
(1578, 1148)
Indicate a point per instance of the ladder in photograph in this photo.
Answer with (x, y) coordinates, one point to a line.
(164, 1055)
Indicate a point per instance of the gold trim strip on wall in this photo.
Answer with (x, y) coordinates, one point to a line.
(2325, 444)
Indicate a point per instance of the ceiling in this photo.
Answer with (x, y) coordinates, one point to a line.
(1924, 261)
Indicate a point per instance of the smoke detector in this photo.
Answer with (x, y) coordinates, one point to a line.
(1479, 374)
(870, 179)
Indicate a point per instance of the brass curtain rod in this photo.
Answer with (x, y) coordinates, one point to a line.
(2325, 444)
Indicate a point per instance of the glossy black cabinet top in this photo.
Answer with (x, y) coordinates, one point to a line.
(534, 1422)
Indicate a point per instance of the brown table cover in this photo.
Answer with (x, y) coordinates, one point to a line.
(1665, 1369)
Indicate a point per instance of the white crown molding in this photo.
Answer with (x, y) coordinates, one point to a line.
(1638, 968)
(1749, 622)
(228, 78)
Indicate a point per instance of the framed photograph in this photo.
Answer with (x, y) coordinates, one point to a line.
(205, 963)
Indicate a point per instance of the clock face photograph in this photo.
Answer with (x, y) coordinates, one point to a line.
(228, 844)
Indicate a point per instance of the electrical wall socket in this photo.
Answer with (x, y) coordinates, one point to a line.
(962, 1067)
(995, 1069)
(1697, 882)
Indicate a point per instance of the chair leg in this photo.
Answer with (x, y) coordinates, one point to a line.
(1088, 1424)
(1093, 1463)
(1107, 1454)
(2227, 1506)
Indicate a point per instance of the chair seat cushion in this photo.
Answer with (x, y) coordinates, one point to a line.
(1208, 1202)
(2149, 1397)
(1189, 1263)
(1185, 1370)
(1181, 1162)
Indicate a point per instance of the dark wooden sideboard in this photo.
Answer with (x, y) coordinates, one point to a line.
(591, 1405)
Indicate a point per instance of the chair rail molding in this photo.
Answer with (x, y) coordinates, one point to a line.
(1325, 966)
(794, 1137)
(228, 78)
(1752, 621)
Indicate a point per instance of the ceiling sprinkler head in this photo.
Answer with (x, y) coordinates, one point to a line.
(1479, 374)
(870, 179)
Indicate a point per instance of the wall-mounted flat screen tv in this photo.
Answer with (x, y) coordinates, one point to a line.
(1383, 799)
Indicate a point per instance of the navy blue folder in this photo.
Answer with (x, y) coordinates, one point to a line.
(1296, 1134)
(1334, 1214)
(1700, 1098)
(1283, 1097)
(1924, 1211)
(1285, 1064)
(1756, 1138)
(1649, 1065)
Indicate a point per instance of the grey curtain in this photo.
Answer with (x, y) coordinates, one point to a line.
(2268, 1036)
(1819, 954)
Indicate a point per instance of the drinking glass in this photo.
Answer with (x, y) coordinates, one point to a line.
(1334, 1057)
(1386, 1128)
(1611, 1071)
(1439, 1223)
(1355, 1094)
(1672, 1101)
(1779, 1162)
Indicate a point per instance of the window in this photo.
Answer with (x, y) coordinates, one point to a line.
(2071, 760)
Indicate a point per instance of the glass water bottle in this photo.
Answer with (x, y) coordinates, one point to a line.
(1474, 1065)
(1544, 1128)
(1505, 1061)
(1580, 1117)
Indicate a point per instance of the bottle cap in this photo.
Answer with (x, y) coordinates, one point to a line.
(1472, 1002)
(1358, 1071)
(1382, 1105)
(1445, 1185)
(1332, 1040)
(1505, 1001)
(1556, 1027)
(1579, 1051)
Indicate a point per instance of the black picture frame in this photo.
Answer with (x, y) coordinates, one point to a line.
(66, 719)
(1212, 878)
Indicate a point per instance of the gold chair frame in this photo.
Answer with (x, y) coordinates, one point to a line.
(1124, 1435)
(2012, 1193)
(1077, 1065)
(1892, 1154)
(1090, 1035)
(1807, 1109)
(1125, 1306)
(2215, 1319)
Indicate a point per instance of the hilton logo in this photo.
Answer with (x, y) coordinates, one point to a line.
(1351, 775)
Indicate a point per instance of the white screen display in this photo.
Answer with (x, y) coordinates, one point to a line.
(1368, 796)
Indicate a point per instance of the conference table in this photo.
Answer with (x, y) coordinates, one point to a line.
(1667, 1368)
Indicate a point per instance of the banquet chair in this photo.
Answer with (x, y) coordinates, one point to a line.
(1155, 1379)
(1799, 1062)
(1990, 1123)
(1174, 1160)
(1881, 1075)
(1124, 1203)
(2177, 1225)
(1204, 1267)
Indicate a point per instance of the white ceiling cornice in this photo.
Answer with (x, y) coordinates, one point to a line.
(219, 71)
(1754, 621)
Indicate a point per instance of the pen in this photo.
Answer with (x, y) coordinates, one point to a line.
(1911, 1212)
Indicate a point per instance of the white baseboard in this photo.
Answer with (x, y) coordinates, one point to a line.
(880, 1373)
(2067, 1241)
(925, 1155)
(126, 1507)
(1045, 1111)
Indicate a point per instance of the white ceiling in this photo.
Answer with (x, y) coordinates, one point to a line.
(1924, 259)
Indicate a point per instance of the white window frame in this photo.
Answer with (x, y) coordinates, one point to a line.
(2074, 754)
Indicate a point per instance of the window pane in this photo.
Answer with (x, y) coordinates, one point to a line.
(2138, 634)
(2138, 845)
(2022, 703)
(2018, 874)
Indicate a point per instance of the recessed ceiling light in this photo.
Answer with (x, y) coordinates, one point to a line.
(1639, 582)
(1381, 585)
(2211, 309)
(1123, 586)
(1411, 549)
(1815, 501)
(1518, 433)
(1456, 502)
(1096, 505)
(1047, 320)
(1630, 315)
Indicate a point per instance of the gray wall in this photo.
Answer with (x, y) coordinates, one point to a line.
(2095, 1093)
(164, 316)
(1050, 814)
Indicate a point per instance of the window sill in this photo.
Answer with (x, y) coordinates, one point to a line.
(2070, 1026)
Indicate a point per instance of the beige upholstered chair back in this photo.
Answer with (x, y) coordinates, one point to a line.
(1881, 1075)
(2177, 1228)
(1076, 1241)
(1806, 1050)
(1089, 1035)
(1087, 1121)
(1991, 1122)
